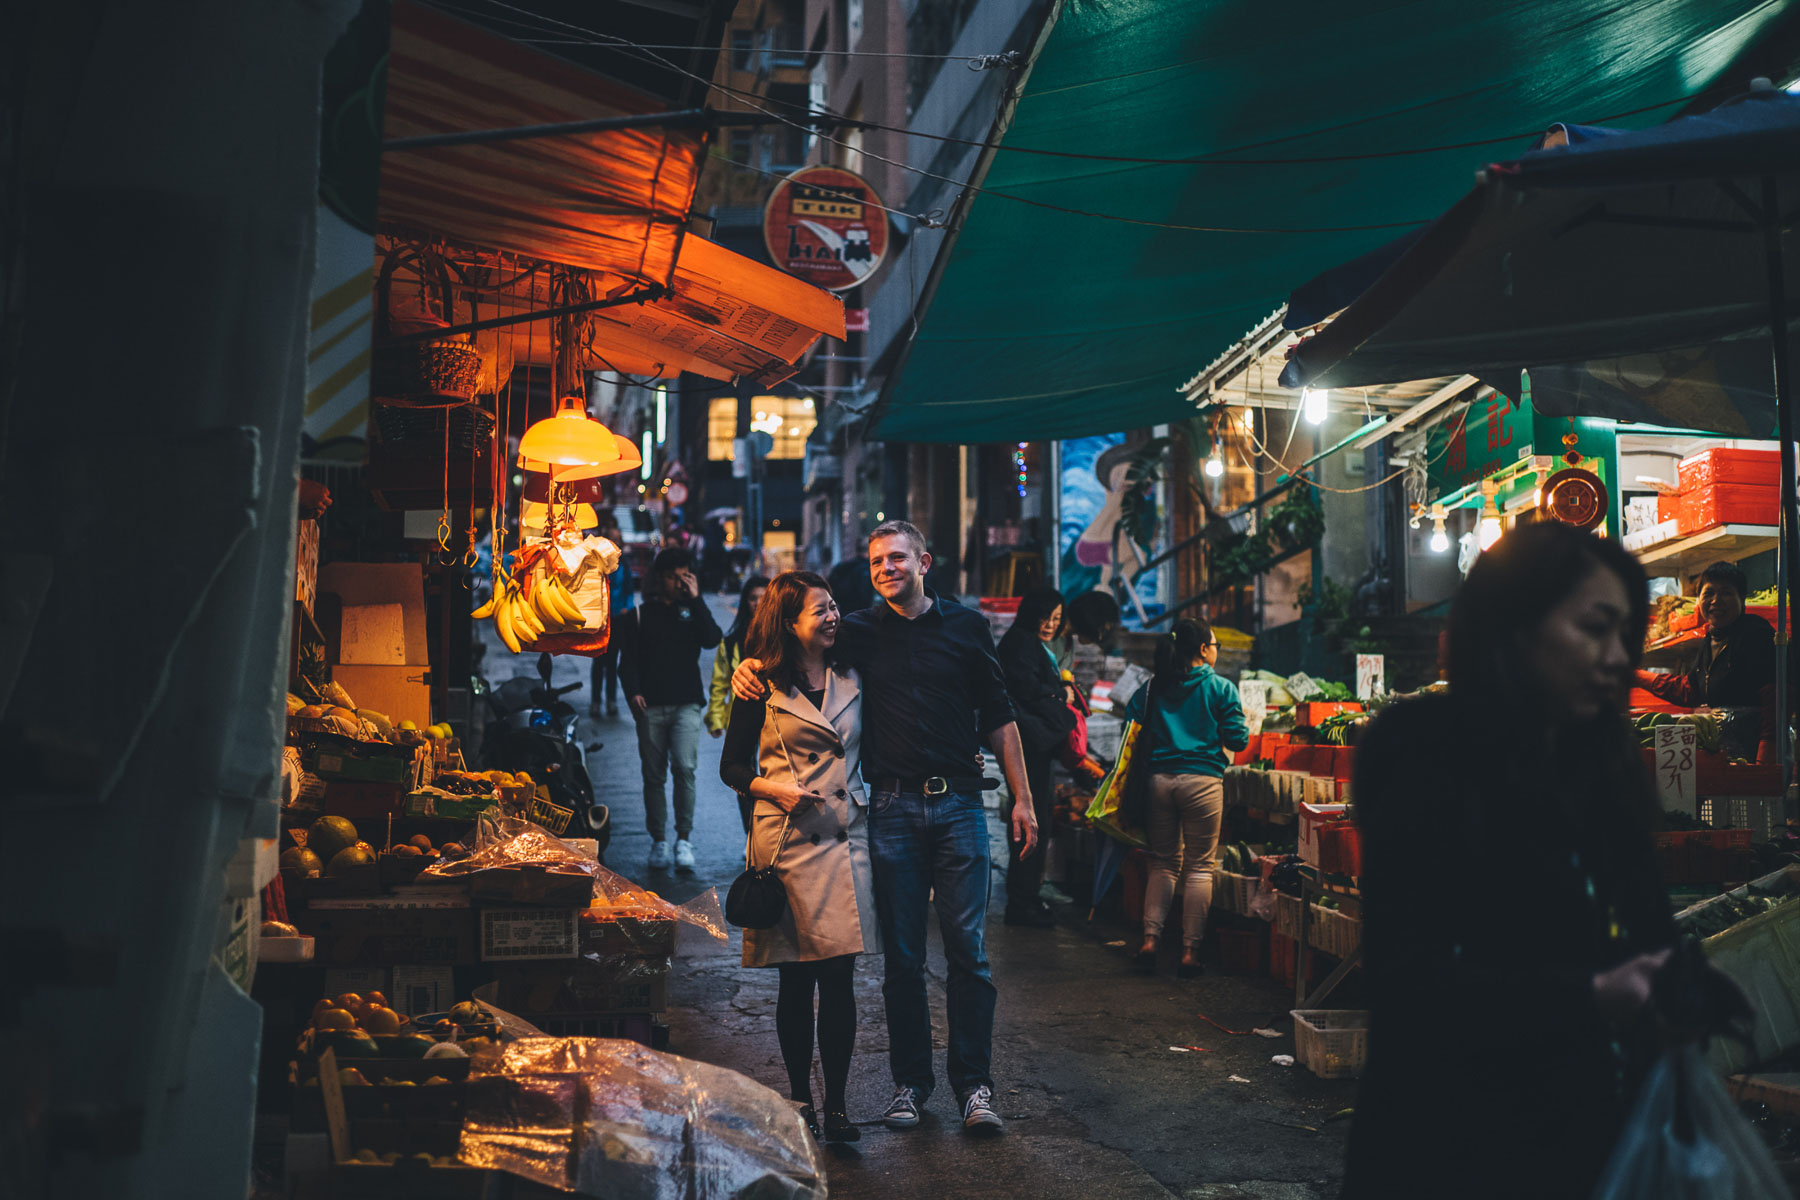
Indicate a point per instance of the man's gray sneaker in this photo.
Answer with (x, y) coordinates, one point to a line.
(978, 1112)
(903, 1111)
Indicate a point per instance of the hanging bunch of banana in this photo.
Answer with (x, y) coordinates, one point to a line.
(522, 618)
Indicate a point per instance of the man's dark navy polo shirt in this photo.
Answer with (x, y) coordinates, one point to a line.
(931, 689)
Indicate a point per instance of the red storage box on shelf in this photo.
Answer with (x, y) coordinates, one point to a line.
(1296, 758)
(1316, 712)
(1343, 763)
(1727, 504)
(1340, 848)
(1313, 819)
(1668, 506)
(1706, 855)
(1759, 468)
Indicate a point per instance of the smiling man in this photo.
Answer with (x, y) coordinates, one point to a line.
(1732, 668)
(932, 690)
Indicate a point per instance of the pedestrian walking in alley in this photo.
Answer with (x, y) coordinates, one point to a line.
(1191, 720)
(1511, 1013)
(659, 666)
(797, 756)
(932, 690)
(1041, 701)
(725, 661)
(619, 600)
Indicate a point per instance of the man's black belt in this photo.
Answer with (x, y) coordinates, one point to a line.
(933, 785)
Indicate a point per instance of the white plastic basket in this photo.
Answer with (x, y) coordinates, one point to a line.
(1332, 1043)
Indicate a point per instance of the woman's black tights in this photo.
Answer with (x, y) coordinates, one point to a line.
(837, 1025)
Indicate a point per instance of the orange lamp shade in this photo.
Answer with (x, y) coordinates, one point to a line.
(627, 458)
(570, 438)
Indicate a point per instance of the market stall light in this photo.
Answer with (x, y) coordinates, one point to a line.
(1312, 405)
(1490, 529)
(662, 415)
(570, 438)
(1019, 467)
(1440, 539)
(646, 464)
(628, 460)
(1215, 464)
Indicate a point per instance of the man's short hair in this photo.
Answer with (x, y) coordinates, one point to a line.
(897, 528)
(672, 558)
(1726, 575)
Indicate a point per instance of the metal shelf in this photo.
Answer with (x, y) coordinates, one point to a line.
(1722, 543)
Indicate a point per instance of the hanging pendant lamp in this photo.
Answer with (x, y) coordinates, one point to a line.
(571, 438)
(626, 458)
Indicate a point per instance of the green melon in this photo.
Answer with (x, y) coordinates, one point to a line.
(347, 860)
(329, 835)
(301, 860)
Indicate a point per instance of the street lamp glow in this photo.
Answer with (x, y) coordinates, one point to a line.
(648, 451)
(1312, 405)
(1215, 466)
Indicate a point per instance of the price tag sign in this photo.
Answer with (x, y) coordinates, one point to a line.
(1677, 753)
(1371, 676)
(1255, 695)
(1302, 686)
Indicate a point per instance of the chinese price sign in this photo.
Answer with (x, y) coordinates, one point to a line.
(1677, 751)
(1371, 670)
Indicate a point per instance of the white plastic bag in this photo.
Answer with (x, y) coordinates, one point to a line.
(1686, 1140)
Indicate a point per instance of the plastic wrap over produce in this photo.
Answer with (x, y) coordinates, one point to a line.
(613, 1118)
(503, 841)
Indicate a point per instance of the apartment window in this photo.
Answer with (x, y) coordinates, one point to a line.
(743, 50)
(742, 145)
(789, 420)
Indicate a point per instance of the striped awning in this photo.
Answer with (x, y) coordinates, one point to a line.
(612, 201)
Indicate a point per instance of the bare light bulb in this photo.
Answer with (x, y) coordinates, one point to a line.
(1312, 405)
(1215, 466)
(1489, 531)
(1440, 541)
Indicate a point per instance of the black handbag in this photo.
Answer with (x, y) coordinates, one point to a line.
(1134, 805)
(758, 898)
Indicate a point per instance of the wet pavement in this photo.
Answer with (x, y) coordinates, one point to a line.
(1097, 1103)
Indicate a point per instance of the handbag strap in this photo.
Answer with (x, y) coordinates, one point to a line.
(788, 822)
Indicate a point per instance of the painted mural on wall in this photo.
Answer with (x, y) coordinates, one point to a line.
(1112, 521)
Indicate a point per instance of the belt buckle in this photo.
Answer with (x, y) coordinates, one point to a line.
(937, 785)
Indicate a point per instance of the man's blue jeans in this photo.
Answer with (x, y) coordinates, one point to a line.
(918, 844)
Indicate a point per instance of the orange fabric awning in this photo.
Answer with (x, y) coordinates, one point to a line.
(614, 201)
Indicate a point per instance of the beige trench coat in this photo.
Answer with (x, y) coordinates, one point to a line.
(825, 862)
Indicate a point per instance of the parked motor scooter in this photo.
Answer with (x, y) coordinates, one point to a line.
(532, 728)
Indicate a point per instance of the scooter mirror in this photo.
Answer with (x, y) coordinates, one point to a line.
(544, 668)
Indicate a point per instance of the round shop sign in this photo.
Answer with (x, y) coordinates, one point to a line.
(826, 226)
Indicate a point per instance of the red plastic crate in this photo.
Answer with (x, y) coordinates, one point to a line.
(1759, 468)
(1343, 763)
(1340, 848)
(1727, 504)
(1315, 712)
(1668, 506)
(1295, 758)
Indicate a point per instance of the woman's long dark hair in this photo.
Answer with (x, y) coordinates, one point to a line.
(1510, 591)
(771, 634)
(740, 625)
(1178, 650)
(1034, 607)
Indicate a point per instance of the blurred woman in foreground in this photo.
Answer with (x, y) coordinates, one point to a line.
(1513, 913)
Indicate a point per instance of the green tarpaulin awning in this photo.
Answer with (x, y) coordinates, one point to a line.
(1304, 134)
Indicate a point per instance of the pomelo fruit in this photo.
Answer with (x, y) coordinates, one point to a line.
(329, 835)
(303, 860)
(347, 860)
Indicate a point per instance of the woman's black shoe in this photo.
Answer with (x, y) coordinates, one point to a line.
(840, 1128)
(1144, 961)
(1188, 971)
(812, 1121)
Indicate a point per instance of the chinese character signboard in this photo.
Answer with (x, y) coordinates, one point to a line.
(826, 226)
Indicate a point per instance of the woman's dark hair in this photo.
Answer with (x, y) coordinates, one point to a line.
(1123, 452)
(1035, 608)
(740, 625)
(1179, 649)
(771, 634)
(1729, 575)
(1093, 616)
(1512, 587)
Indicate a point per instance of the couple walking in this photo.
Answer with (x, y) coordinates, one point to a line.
(858, 738)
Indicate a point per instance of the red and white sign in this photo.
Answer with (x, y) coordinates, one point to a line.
(856, 320)
(825, 225)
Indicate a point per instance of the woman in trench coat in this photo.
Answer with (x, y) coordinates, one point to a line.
(796, 754)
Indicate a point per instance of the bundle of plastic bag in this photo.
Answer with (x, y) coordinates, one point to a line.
(1686, 1140)
(616, 1119)
(505, 841)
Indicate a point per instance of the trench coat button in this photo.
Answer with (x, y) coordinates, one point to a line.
(812, 758)
(843, 835)
(815, 839)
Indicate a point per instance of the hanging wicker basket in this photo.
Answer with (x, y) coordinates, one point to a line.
(430, 372)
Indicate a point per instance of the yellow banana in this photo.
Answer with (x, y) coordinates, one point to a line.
(487, 610)
(526, 616)
(571, 611)
(545, 609)
(503, 623)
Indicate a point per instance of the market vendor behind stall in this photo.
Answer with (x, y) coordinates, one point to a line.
(1733, 666)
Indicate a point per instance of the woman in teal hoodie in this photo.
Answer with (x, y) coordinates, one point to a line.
(1192, 720)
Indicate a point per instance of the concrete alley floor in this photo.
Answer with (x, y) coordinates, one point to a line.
(1096, 1102)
